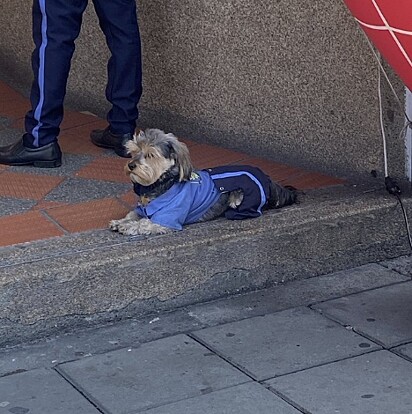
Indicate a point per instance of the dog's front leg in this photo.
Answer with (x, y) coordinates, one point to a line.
(131, 216)
(141, 227)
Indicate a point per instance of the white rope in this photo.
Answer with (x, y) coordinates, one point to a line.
(378, 59)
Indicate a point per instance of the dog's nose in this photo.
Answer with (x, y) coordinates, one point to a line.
(131, 165)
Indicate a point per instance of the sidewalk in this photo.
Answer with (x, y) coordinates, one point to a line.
(340, 343)
(61, 269)
(45, 203)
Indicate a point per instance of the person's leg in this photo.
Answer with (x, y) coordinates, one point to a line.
(56, 25)
(118, 21)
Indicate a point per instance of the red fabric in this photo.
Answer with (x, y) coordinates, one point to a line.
(390, 15)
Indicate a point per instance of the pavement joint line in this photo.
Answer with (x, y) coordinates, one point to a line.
(154, 406)
(287, 399)
(357, 293)
(68, 380)
(360, 332)
(394, 270)
(193, 336)
(52, 220)
(323, 364)
(353, 329)
(399, 354)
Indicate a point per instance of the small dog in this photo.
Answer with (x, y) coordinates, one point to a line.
(171, 193)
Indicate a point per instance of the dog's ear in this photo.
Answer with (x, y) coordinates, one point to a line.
(180, 153)
(139, 136)
(131, 146)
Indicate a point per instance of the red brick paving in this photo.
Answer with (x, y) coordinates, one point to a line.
(50, 219)
(91, 215)
(107, 169)
(27, 186)
(20, 228)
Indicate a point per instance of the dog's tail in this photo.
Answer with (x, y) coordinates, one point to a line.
(281, 196)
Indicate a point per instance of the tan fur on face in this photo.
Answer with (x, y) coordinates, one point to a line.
(148, 162)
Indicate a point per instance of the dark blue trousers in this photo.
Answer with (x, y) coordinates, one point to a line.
(56, 25)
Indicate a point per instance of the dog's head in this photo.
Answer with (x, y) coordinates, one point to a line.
(154, 153)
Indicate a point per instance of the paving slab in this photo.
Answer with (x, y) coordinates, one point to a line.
(376, 383)
(384, 314)
(243, 399)
(41, 391)
(158, 373)
(77, 190)
(283, 342)
(402, 265)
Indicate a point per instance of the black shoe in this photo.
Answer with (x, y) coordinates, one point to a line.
(106, 139)
(48, 156)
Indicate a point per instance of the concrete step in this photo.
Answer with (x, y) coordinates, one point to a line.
(86, 279)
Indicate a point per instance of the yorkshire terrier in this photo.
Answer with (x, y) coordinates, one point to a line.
(172, 194)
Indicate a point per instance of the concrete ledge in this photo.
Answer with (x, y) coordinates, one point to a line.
(91, 278)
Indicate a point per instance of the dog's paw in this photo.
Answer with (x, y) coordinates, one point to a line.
(143, 227)
(235, 199)
(130, 217)
(114, 225)
(129, 228)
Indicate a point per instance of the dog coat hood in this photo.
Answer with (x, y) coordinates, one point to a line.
(187, 202)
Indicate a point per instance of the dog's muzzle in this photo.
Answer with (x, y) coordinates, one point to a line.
(131, 165)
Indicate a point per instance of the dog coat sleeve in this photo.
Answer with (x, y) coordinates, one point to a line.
(254, 183)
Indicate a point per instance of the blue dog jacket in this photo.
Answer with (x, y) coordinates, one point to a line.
(187, 202)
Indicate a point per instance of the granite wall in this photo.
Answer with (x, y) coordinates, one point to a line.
(292, 80)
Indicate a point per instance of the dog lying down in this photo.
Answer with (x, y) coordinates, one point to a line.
(171, 193)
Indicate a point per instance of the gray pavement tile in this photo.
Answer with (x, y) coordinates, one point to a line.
(4, 122)
(77, 190)
(375, 383)
(71, 164)
(384, 314)
(403, 265)
(10, 205)
(9, 136)
(283, 342)
(296, 293)
(41, 391)
(156, 373)
(242, 399)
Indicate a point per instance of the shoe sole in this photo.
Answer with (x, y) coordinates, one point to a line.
(37, 164)
(117, 152)
(102, 145)
(47, 164)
